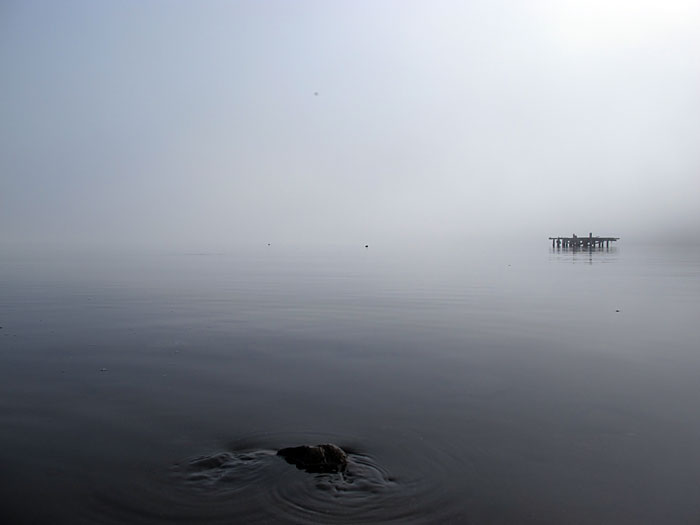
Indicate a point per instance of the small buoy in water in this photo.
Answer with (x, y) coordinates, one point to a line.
(103, 369)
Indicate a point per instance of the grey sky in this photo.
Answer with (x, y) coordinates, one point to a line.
(182, 122)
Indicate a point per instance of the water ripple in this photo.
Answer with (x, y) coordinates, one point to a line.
(259, 485)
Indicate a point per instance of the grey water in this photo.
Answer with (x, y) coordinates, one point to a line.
(468, 383)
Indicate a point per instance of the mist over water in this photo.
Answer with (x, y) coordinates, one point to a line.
(348, 121)
(472, 383)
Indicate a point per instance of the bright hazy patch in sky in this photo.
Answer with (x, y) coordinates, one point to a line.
(592, 24)
(347, 121)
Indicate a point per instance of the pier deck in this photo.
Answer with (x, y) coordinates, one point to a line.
(582, 242)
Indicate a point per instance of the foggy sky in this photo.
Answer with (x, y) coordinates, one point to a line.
(198, 122)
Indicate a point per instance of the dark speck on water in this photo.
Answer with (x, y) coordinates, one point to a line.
(459, 392)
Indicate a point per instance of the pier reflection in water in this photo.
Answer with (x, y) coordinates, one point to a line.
(598, 254)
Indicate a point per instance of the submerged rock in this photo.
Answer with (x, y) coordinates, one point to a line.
(319, 458)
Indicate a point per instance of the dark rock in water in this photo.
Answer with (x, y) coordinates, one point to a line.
(319, 458)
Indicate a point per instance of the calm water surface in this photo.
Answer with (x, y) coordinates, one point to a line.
(469, 384)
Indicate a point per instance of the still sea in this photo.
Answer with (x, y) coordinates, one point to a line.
(468, 383)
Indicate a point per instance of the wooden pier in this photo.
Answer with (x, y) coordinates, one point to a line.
(582, 242)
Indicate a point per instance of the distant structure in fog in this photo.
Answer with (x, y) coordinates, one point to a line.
(582, 242)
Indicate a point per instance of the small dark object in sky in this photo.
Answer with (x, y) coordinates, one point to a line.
(315, 93)
(313, 459)
(103, 369)
(366, 245)
(617, 310)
